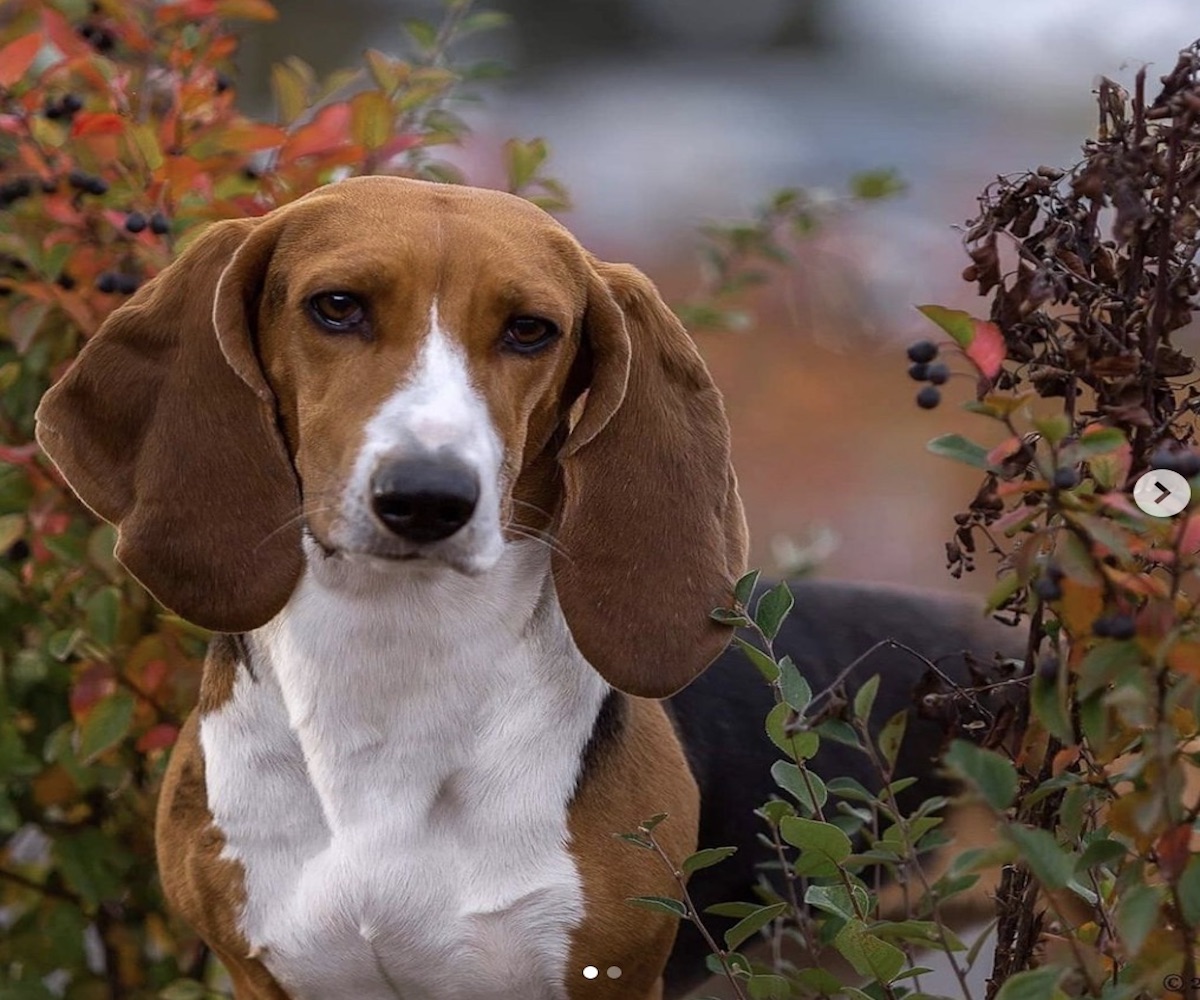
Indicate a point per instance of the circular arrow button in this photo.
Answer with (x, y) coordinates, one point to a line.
(1162, 493)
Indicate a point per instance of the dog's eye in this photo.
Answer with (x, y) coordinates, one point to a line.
(528, 334)
(337, 311)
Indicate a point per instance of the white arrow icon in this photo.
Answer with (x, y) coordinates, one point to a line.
(1162, 493)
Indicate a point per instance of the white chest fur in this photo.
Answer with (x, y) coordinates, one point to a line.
(394, 781)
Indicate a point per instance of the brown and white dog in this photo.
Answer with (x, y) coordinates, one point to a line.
(457, 498)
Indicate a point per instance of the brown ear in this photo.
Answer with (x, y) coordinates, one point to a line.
(651, 536)
(157, 433)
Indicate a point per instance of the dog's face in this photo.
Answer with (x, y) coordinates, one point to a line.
(420, 369)
(410, 375)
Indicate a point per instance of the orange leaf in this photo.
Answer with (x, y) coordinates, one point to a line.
(16, 58)
(247, 10)
(97, 123)
(1080, 606)
(987, 349)
(1184, 658)
(62, 36)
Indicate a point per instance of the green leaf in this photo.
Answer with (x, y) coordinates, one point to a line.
(1050, 864)
(835, 899)
(1053, 427)
(806, 787)
(923, 933)
(91, 864)
(422, 32)
(870, 955)
(794, 688)
(727, 617)
(958, 449)
(767, 986)
(823, 846)
(1036, 984)
(1100, 852)
(891, 736)
(1047, 699)
(660, 904)
(1138, 915)
(864, 699)
(184, 989)
(799, 746)
(706, 858)
(752, 924)
(106, 725)
(871, 185)
(1189, 891)
(762, 662)
(1101, 441)
(524, 160)
(955, 322)
(993, 775)
(773, 608)
(103, 611)
(744, 589)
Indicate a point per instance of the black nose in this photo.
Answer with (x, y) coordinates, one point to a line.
(424, 499)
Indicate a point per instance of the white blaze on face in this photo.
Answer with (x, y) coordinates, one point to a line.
(436, 411)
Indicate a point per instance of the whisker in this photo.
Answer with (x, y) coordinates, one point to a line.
(541, 537)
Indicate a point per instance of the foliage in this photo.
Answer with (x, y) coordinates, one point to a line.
(1094, 786)
(119, 138)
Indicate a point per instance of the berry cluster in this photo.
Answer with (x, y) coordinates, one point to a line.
(87, 183)
(63, 107)
(1182, 460)
(926, 368)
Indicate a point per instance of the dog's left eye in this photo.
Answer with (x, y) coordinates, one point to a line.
(527, 334)
(337, 311)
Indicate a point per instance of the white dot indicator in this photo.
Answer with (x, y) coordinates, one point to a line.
(614, 972)
(590, 972)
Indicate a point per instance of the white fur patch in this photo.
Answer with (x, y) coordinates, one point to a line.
(435, 410)
(395, 782)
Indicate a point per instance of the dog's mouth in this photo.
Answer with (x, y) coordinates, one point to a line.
(384, 553)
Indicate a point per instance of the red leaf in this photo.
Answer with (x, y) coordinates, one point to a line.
(1174, 851)
(328, 130)
(93, 683)
(987, 349)
(97, 123)
(158, 737)
(22, 454)
(62, 36)
(16, 58)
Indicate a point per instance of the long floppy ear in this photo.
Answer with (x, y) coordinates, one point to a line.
(157, 433)
(651, 534)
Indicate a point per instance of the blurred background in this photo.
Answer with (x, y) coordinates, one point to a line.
(665, 114)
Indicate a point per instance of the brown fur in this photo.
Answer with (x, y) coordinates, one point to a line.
(643, 775)
(209, 419)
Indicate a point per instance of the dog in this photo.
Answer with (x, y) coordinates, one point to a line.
(456, 499)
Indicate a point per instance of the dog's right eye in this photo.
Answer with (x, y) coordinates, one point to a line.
(338, 311)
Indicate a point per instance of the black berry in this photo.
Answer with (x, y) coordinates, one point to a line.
(929, 397)
(49, 185)
(223, 83)
(71, 103)
(1182, 460)
(107, 283)
(126, 284)
(1066, 478)
(97, 185)
(1115, 627)
(65, 281)
(18, 551)
(918, 372)
(159, 224)
(53, 109)
(1048, 667)
(135, 222)
(923, 351)
(1047, 589)
(938, 373)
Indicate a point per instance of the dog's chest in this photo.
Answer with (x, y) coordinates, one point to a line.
(398, 801)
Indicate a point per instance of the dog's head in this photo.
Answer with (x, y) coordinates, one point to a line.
(412, 374)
